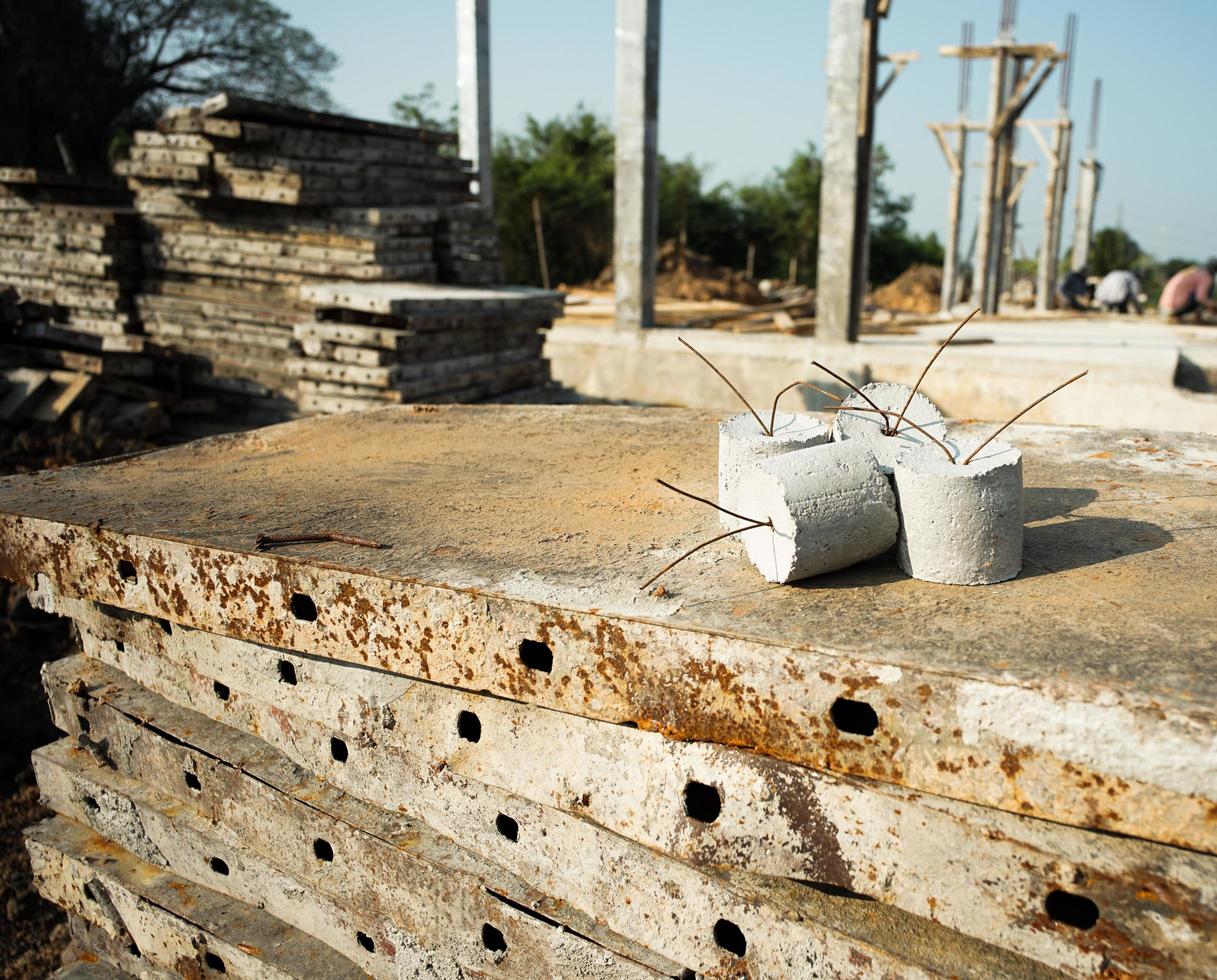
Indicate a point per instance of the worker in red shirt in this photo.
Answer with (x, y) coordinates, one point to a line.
(1189, 290)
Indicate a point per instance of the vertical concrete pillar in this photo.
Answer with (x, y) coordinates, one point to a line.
(473, 91)
(853, 41)
(636, 181)
(1083, 215)
(992, 204)
(950, 260)
(1054, 203)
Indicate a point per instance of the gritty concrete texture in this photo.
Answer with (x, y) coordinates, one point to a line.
(868, 427)
(961, 525)
(892, 845)
(1132, 382)
(179, 928)
(790, 929)
(830, 505)
(1119, 554)
(741, 443)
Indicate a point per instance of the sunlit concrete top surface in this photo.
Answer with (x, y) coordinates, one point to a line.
(559, 505)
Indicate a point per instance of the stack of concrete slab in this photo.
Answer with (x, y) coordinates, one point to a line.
(245, 202)
(373, 343)
(70, 246)
(379, 694)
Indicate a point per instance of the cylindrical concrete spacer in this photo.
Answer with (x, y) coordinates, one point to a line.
(961, 525)
(868, 426)
(831, 506)
(741, 443)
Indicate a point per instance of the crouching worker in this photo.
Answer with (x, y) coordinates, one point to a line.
(1189, 290)
(1118, 291)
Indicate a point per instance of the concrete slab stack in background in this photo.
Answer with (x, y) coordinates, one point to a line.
(371, 344)
(446, 735)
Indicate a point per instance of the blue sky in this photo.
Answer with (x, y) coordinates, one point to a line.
(742, 92)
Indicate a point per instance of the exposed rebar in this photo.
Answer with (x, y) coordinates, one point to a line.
(1021, 414)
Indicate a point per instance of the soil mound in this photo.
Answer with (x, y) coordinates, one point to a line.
(918, 289)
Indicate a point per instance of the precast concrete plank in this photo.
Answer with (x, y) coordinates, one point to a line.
(90, 969)
(176, 925)
(378, 859)
(689, 914)
(984, 872)
(154, 826)
(1082, 691)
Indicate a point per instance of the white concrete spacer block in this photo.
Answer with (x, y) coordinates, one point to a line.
(962, 525)
(831, 507)
(741, 444)
(868, 426)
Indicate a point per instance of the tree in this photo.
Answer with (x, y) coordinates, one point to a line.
(1113, 248)
(87, 69)
(422, 109)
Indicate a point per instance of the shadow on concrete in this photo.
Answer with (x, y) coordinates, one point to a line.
(882, 570)
(1085, 541)
(1041, 503)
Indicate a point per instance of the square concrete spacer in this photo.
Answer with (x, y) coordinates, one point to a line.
(868, 426)
(961, 525)
(831, 506)
(741, 443)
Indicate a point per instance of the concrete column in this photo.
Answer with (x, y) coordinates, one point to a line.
(991, 201)
(853, 41)
(636, 182)
(473, 91)
(1054, 200)
(950, 260)
(1083, 215)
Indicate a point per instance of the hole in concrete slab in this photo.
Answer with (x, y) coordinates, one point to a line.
(322, 850)
(213, 962)
(687, 974)
(134, 951)
(365, 941)
(89, 894)
(338, 750)
(1072, 910)
(90, 804)
(221, 690)
(166, 626)
(303, 607)
(469, 726)
(729, 937)
(536, 655)
(126, 571)
(702, 802)
(120, 646)
(192, 780)
(83, 722)
(492, 939)
(507, 827)
(218, 865)
(855, 717)
(287, 672)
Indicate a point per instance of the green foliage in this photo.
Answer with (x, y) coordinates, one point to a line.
(422, 109)
(91, 68)
(1113, 248)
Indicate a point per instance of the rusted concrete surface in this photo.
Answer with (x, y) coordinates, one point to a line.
(981, 871)
(178, 927)
(789, 929)
(1082, 691)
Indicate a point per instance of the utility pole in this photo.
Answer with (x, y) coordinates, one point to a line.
(849, 130)
(635, 198)
(1088, 188)
(957, 161)
(473, 92)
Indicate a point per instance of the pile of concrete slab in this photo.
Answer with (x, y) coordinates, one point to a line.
(246, 202)
(70, 246)
(377, 693)
(371, 344)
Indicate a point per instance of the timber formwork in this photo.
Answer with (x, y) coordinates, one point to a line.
(479, 749)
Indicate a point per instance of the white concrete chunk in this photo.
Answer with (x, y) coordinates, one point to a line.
(961, 525)
(867, 426)
(831, 507)
(741, 443)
